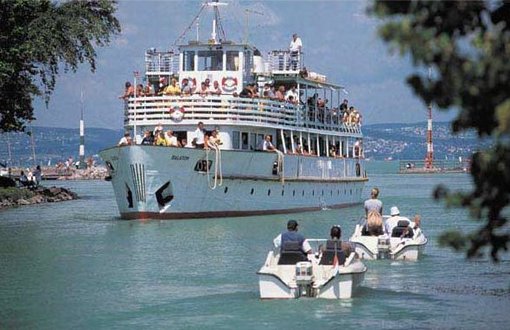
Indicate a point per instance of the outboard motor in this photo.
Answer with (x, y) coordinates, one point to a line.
(304, 278)
(383, 247)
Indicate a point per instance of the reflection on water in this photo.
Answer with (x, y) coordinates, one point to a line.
(75, 264)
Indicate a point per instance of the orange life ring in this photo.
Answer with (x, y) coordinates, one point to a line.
(229, 84)
(177, 113)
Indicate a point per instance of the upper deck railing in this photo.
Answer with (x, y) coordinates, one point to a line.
(258, 112)
(161, 62)
(283, 61)
(278, 62)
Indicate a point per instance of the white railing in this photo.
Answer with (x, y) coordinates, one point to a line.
(166, 63)
(283, 61)
(228, 109)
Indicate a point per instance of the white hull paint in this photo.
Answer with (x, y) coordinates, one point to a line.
(399, 248)
(249, 185)
(279, 281)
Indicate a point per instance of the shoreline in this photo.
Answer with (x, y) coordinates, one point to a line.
(14, 197)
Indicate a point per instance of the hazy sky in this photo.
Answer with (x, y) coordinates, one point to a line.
(339, 40)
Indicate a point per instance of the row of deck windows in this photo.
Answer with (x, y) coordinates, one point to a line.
(302, 192)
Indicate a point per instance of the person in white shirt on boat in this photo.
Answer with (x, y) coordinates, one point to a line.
(415, 225)
(292, 95)
(295, 49)
(171, 139)
(267, 145)
(291, 235)
(392, 222)
(199, 136)
(125, 140)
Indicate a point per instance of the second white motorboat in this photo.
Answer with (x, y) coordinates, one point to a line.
(289, 274)
(404, 243)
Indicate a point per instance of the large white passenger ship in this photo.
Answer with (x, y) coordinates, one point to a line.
(236, 178)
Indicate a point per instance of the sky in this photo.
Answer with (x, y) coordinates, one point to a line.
(339, 40)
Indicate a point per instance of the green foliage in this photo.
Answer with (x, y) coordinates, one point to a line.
(40, 37)
(467, 46)
(15, 193)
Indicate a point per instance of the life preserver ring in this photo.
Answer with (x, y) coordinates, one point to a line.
(177, 113)
(229, 84)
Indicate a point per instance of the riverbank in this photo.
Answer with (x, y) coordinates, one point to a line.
(10, 197)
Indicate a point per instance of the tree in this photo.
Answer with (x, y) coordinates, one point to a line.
(467, 45)
(38, 38)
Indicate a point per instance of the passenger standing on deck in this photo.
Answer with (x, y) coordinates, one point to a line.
(295, 51)
(199, 136)
(373, 203)
(291, 235)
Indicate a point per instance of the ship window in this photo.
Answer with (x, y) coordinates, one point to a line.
(351, 191)
(210, 60)
(253, 143)
(188, 63)
(323, 192)
(235, 139)
(303, 193)
(293, 193)
(313, 192)
(244, 139)
(269, 192)
(232, 60)
(260, 139)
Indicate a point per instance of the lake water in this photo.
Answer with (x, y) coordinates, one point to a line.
(76, 265)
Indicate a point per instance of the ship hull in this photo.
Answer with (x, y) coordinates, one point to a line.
(182, 183)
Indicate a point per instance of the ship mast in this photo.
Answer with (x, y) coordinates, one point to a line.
(216, 23)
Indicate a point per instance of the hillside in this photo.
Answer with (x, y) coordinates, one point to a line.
(398, 141)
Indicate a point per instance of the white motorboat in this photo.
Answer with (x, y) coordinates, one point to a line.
(290, 274)
(404, 243)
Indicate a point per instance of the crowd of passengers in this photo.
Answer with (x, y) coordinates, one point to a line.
(347, 114)
(204, 139)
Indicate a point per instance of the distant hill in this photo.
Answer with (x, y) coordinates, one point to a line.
(408, 141)
(398, 141)
(54, 144)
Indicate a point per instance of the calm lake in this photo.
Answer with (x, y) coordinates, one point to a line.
(75, 265)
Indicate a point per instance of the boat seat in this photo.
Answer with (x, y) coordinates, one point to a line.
(401, 228)
(329, 254)
(291, 254)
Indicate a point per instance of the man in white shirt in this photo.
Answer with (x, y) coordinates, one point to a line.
(199, 136)
(267, 145)
(125, 140)
(392, 222)
(292, 92)
(295, 49)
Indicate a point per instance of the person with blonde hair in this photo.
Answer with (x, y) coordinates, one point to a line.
(373, 203)
(374, 225)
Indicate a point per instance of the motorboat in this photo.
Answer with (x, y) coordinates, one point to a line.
(404, 243)
(290, 274)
